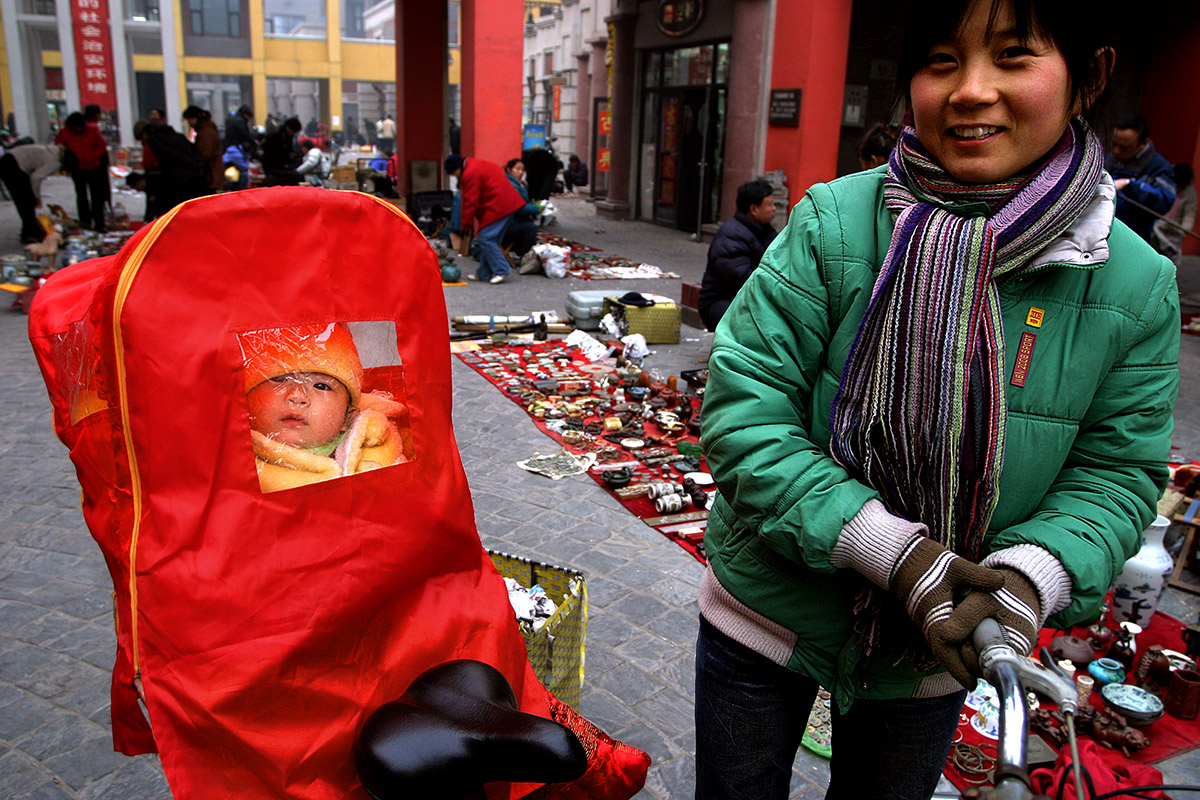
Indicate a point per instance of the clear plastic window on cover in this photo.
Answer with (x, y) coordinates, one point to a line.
(76, 355)
(324, 401)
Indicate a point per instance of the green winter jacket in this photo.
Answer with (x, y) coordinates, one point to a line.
(1085, 457)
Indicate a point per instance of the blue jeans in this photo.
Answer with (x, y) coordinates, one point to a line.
(751, 715)
(492, 260)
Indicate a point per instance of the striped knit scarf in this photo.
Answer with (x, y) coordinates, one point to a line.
(920, 412)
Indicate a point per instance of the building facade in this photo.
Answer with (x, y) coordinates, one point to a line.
(331, 63)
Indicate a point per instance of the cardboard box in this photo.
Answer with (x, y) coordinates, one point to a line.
(659, 323)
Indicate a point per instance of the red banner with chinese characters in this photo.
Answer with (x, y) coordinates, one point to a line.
(603, 159)
(93, 53)
(557, 102)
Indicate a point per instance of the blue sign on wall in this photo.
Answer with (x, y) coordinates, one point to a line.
(533, 137)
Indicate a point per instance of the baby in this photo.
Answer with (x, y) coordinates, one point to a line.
(309, 418)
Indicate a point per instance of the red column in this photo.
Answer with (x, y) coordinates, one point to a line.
(619, 203)
(742, 123)
(493, 35)
(421, 119)
(812, 42)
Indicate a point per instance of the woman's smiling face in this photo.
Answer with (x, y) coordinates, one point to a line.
(986, 107)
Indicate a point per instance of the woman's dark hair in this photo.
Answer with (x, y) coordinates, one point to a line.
(75, 120)
(512, 163)
(1078, 33)
(878, 141)
(196, 113)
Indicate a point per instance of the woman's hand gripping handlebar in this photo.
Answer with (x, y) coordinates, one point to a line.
(1012, 675)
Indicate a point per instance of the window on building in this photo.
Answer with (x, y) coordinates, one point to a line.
(43, 7)
(452, 23)
(215, 17)
(549, 63)
(142, 10)
(294, 17)
(354, 19)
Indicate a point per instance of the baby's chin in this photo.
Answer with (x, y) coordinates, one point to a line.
(290, 437)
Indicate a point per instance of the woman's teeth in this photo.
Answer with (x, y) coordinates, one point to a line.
(973, 133)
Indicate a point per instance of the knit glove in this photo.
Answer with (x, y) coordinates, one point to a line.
(1016, 606)
(933, 584)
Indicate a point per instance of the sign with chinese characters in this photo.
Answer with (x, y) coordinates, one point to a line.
(679, 17)
(93, 53)
(784, 108)
(603, 159)
(605, 123)
(557, 102)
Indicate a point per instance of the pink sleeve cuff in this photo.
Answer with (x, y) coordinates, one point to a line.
(1043, 570)
(871, 543)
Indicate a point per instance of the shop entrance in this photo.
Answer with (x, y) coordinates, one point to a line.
(683, 135)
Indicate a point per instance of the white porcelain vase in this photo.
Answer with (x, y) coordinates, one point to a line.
(1141, 583)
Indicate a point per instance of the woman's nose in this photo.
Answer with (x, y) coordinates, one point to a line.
(975, 86)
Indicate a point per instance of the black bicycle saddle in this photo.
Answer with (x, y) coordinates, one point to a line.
(456, 728)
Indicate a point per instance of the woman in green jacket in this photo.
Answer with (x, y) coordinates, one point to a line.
(945, 395)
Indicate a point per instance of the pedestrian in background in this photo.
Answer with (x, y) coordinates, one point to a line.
(92, 115)
(887, 477)
(83, 158)
(736, 250)
(877, 144)
(22, 169)
(1141, 175)
(575, 174)
(386, 133)
(1168, 237)
(208, 142)
(279, 157)
(521, 233)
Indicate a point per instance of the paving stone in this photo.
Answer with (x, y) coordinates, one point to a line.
(141, 777)
(630, 683)
(78, 766)
(647, 651)
(18, 775)
(640, 609)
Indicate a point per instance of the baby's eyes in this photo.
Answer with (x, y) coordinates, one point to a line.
(323, 386)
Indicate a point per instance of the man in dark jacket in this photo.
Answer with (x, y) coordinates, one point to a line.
(736, 249)
(237, 129)
(1141, 175)
(279, 157)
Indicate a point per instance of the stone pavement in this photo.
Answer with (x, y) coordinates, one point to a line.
(56, 640)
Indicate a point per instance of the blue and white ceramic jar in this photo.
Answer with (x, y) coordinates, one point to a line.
(1141, 583)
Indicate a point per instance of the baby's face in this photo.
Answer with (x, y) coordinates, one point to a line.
(303, 409)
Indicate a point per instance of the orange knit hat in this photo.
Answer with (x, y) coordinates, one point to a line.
(328, 349)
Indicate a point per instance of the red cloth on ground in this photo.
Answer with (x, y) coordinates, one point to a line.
(1105, 777)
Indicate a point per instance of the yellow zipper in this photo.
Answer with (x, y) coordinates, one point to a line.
(123, 287)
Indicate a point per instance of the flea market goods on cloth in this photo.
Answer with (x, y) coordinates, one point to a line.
(1168, 735)
(643, 432)
(589, 263)
(263, 622)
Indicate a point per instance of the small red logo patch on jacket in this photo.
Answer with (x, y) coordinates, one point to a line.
(1024, 356)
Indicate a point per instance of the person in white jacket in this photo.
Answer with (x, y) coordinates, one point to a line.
(316, 165)
(23, 168)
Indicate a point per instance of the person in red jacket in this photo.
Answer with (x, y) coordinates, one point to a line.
(87, 150)
(488, 203)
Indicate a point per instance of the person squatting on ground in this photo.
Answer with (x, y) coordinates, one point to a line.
(317, 165)
(736, 249)
(1140, 174)
(83, 157)
(488, 202)
(887, 480)
(22, 169)
(575, 174)
(521, 232)
(310, 420)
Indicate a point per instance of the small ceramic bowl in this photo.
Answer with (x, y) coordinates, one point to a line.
(1138, 706)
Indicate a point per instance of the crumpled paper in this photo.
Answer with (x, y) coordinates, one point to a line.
(558, 465)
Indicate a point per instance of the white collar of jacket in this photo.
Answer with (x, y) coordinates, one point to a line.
(1085, 242)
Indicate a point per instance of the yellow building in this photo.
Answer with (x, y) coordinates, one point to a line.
(327, 62)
